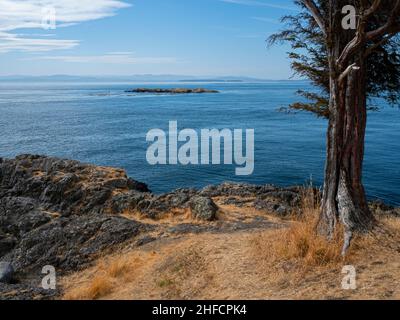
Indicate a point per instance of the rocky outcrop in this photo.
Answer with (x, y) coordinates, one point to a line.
(65, 186)
(27, 291)
(171, 91)
(150, 205)
(382, 209)
(283, 202)
(66, 213)
(268, 198)
(63, 212)
(68, 243)
(7, 242)
(59, 212)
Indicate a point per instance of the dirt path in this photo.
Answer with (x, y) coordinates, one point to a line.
(225, 265)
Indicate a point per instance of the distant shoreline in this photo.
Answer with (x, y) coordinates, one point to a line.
(140, 78)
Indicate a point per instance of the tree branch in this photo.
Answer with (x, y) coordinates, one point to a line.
(315, 12)
(367, 13)
(377, 45)
(389, 28)
(346, 72)
(390, 25)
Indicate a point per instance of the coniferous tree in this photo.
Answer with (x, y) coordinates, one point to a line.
(350, 50)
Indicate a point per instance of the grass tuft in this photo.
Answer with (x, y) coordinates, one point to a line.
(107, 274)
(98, 287)
(300, 243)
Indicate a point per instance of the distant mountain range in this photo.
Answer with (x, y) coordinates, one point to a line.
(133, 78)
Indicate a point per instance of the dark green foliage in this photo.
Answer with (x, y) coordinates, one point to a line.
(309, 57)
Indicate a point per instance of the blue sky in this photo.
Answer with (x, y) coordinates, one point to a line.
(110, 37)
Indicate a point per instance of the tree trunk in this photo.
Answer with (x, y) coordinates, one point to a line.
(344, 196)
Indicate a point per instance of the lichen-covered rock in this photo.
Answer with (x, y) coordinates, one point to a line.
(272, 207)
(21, 215)
(26, 291)
(382, 209)
(70, 242)
(59, 212)
(63, 185)
(7, 243)
(230, 189)
(150, 205)
(203, 208)
(279, 202)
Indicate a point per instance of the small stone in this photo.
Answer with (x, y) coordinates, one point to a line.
(203, 208)
(6, 272)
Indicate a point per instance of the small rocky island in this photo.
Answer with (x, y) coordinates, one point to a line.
(171, 91)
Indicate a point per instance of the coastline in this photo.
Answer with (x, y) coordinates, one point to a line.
(65, 214)
(111, 131)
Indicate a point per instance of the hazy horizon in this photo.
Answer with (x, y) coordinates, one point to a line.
(209, 38)
(167, 77)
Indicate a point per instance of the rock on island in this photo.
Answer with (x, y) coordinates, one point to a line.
(171, 91)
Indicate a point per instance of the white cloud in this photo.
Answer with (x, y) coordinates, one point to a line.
(109, 58)
(30, 14)
(11, 42)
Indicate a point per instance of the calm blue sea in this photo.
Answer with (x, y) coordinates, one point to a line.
(100, 124)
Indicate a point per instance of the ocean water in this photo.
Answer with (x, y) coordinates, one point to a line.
(101, 124)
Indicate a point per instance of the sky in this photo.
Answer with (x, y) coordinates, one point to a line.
(127, 37)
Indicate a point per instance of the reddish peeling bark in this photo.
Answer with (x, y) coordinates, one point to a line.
(344, 196)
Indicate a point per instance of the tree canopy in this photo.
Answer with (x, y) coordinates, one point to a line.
(309, 55)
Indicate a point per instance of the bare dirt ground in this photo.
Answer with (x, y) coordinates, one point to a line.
(237, 258)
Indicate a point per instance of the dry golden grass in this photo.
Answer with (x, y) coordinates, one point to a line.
(183, 273)
(296, 256)
(121, 267)
(98, 287)
(178, 270)
(291, 262)
(300, 243)
(385, 239)
(105, 277)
